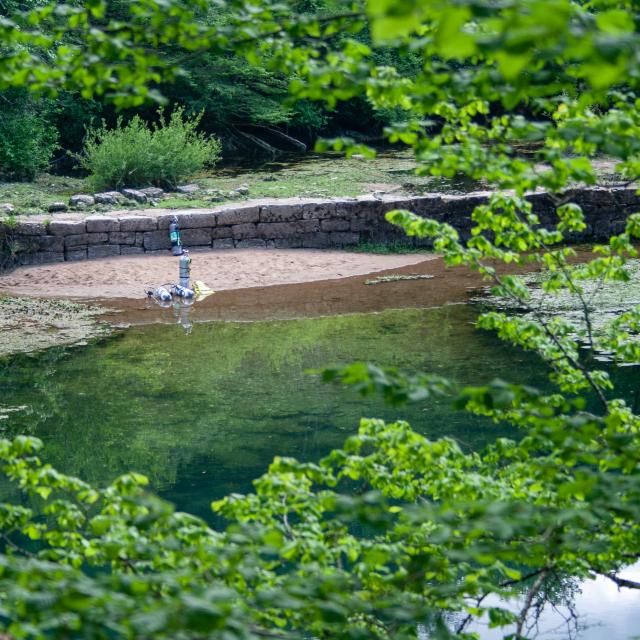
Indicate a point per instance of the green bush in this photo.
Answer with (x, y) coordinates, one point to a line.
(27, 140)
(136, 154)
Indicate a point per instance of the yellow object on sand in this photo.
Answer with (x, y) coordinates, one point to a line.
(201, 290)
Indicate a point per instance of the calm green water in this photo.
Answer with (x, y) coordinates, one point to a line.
(203, 414)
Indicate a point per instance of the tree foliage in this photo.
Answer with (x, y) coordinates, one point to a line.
(241, 104)
(393, 529)
(27, 139)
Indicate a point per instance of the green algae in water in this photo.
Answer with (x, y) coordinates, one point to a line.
(605, 301)
(31, 324)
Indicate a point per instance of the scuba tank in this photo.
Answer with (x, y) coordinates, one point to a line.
(162, 294)
(185, 269)
(174, 236)
(183, 292)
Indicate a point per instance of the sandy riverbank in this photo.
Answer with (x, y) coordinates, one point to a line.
(129, 276)
(250, 285)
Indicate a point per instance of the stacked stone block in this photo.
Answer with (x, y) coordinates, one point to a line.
(287, 224)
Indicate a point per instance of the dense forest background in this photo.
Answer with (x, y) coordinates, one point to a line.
(247, 107)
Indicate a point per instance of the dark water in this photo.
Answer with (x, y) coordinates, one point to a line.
(203, 414)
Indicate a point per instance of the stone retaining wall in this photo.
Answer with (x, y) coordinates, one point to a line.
(281, 224)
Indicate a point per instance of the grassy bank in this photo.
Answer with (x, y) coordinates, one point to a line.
(311, 177)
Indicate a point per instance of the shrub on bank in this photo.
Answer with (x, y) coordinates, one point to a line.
(136, 154)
